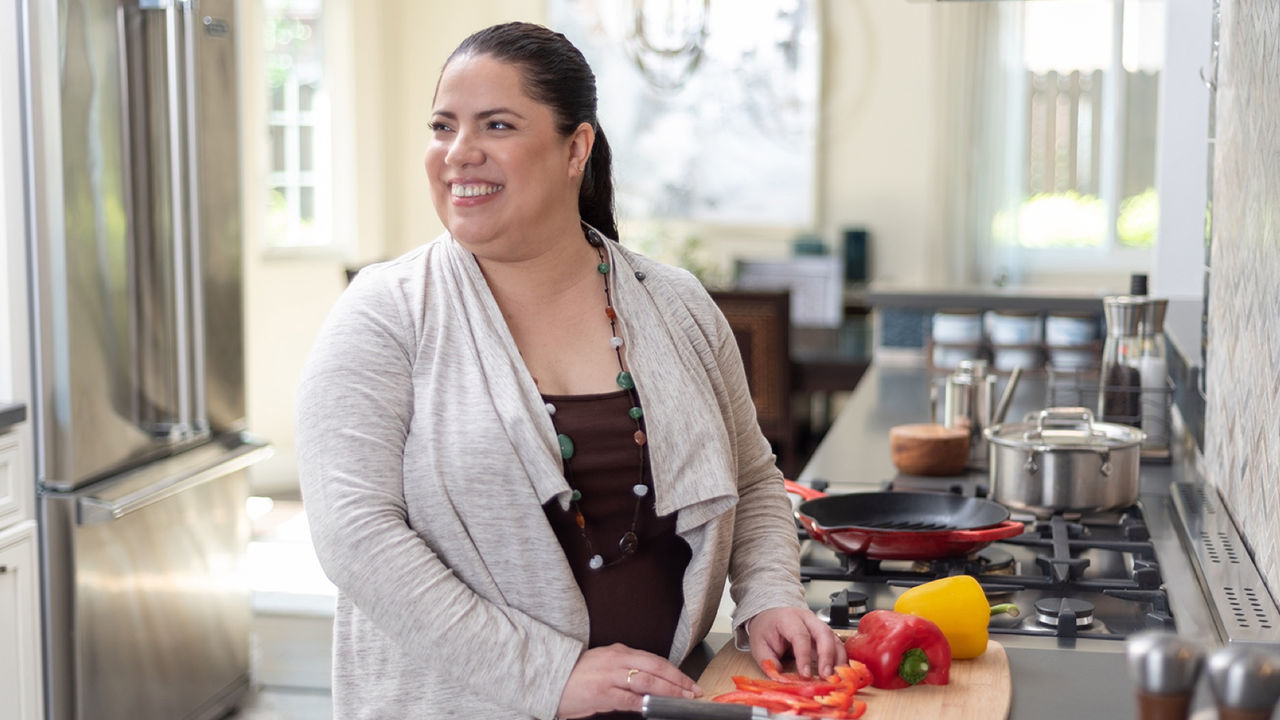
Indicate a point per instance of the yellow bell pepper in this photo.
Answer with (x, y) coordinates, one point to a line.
(958, 607)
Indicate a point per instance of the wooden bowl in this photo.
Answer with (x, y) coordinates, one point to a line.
(929, 449)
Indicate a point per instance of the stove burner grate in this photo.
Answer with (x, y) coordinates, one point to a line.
(1056, 612)
(1055, 578)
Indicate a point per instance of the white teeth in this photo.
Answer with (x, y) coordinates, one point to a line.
(474, 190)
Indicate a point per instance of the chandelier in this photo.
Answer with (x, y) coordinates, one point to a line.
(665, 39)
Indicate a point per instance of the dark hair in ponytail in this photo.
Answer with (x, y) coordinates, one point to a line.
(557, 75)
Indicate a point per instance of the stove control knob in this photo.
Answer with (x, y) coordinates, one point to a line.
(1245, 681)
(1164, 667)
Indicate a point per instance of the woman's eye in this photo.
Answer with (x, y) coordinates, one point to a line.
(500, 125)
(439, 127)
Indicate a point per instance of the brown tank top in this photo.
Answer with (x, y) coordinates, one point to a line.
(638, 600)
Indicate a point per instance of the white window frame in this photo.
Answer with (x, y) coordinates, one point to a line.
(1109, 253)
(333, 172)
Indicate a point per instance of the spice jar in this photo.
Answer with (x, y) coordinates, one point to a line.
(1164, 668)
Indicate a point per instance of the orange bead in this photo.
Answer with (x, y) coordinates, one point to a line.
(640, 438)
(582, 522)
(608, 311)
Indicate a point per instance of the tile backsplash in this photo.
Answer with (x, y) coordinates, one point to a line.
(1242, 423)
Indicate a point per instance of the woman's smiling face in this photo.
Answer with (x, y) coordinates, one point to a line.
(499, 168)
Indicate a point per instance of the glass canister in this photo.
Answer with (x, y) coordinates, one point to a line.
(968, 402)
(1133, 385)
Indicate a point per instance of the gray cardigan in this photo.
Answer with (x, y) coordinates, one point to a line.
(425, 455)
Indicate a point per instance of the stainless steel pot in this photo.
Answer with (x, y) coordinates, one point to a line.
(1063, 461)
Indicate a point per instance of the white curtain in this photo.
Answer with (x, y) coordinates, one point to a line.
(981, 121)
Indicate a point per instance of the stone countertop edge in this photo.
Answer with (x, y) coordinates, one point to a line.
(11, 414)
(985, 298)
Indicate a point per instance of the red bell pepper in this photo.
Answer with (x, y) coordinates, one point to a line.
(900, 650)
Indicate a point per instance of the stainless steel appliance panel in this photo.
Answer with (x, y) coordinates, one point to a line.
(149, 605)
(85, 291)
(219, 352)
(138, 257)
(133, 162)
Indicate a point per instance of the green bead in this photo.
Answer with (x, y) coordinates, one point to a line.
(566, 446)
(603, 268)
(635, 413)
(624, 380)
(576, 496)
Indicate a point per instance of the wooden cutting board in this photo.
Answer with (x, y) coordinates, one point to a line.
(979, 689)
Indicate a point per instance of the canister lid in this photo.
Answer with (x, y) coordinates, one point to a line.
(1134, 314)
(1138, 284)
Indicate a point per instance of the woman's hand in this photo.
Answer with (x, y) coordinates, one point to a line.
(776, 630)
(616, 677)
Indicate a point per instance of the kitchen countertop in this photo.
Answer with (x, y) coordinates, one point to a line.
(11, 414)
(988, 298)
(1089, 680)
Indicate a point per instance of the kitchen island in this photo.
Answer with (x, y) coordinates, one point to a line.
(1051, 677)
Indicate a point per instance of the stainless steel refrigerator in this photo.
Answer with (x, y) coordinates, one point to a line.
(133, 167)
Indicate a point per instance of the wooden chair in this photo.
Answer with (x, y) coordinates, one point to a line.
(761, 322)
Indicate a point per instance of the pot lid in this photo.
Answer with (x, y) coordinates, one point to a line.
(1065, 428)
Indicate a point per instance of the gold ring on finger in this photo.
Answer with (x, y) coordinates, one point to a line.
(630, 672)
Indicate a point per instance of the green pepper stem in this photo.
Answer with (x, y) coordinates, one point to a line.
(1008, 608)
(914, 666)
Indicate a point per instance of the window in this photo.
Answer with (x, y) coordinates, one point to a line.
(298, 125)
(1086, 76)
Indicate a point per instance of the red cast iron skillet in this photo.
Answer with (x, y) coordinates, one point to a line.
(903, 525)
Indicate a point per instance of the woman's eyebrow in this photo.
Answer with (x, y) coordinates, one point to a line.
(483, 114)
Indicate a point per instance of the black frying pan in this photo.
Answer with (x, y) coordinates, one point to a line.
(903, 525)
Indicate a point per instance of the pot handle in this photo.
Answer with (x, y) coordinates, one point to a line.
(1062, 417)
(807, 493)
(1003, 531)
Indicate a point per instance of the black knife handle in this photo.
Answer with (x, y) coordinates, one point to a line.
(660, 707)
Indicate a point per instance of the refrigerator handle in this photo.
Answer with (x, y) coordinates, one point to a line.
(170, 345)
(180, 171)
(198, 418)
(94, 510)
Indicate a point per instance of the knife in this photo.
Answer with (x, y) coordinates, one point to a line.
(660, 707)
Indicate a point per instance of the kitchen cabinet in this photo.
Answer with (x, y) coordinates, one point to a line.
(19, 624)
(14, 482)
(21, 686)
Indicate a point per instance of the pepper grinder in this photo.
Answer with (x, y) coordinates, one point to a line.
(1164, 667)
(1245, 680)
(1134, 366)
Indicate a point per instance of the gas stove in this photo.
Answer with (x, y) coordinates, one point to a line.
(1090, 577)
(1205, 580)
(1173, 560)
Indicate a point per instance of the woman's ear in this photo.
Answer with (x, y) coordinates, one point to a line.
(580, 144)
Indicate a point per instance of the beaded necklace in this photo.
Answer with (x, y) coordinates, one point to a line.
(630, 541)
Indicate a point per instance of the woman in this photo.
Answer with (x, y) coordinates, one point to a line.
(528, 456)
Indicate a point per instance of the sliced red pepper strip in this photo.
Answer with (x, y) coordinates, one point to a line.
(854, 672)
(771, 671)
(807, 690)
(786, 700)
(839, 699)
(839, 714)
(754, 699)
(856, 710)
